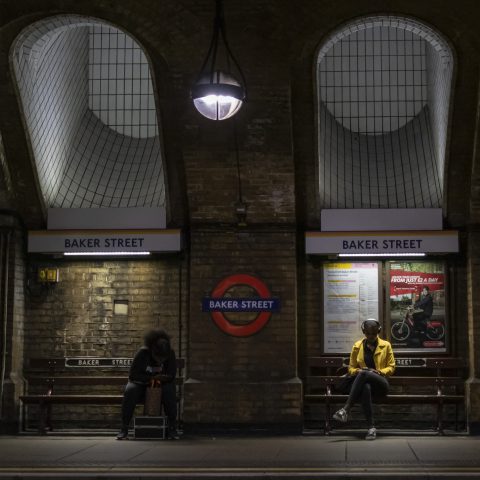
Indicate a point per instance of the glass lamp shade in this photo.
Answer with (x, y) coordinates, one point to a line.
(217, 95)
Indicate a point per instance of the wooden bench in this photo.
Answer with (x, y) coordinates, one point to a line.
(50, 373)
(440, 377)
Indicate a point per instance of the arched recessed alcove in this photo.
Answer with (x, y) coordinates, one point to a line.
(87, 96)
(383, 90)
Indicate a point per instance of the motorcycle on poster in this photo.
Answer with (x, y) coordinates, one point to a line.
(417, 306)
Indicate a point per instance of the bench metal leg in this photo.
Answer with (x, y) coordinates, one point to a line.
(440, 417)
(43, 414)
(327, 417)
(48, 419)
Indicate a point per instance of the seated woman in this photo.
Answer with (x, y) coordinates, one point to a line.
(371, 362)
(155, 356)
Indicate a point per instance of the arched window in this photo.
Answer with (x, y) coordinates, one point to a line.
(87, 96)
(384, 87)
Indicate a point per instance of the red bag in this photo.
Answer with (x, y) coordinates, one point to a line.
(153, 399)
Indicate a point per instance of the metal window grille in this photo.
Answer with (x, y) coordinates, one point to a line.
(383, 91)
(88, 100)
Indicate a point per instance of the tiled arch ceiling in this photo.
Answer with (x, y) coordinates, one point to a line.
(384, 86)
(87, 96)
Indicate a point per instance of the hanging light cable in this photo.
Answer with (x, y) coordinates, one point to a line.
(240, 205)
(217, 94)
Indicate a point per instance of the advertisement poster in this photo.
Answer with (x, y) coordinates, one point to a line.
(417, 306)
(350, 292)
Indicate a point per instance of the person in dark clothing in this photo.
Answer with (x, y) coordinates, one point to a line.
(425, 303)
(154, 361)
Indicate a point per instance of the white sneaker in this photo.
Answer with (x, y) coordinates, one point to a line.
(341, 415)
(371, 434)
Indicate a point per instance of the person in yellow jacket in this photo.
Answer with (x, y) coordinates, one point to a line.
(371, 362)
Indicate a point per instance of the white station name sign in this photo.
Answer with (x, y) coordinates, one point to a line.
(86, 362)
(381, 242)
(64, 241)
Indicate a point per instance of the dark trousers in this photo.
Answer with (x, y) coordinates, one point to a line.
(367, 385)
(420, 321)
(135, 393)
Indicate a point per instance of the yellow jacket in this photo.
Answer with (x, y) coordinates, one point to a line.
(383, 358)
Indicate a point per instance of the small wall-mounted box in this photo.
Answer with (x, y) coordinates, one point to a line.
(48, 275)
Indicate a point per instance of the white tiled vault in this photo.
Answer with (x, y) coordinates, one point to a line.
(383, 95)
(87, 96)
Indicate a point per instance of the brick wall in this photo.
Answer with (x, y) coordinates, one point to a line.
(243, 380)
(473, 383)
(75, 317)
(13, 294)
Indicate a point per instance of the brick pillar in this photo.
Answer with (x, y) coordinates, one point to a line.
(473, 382)
(12, 273)
(243, 381)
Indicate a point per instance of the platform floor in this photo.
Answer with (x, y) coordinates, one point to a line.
(344, 455)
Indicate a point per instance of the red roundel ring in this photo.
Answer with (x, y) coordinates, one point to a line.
(254, 326)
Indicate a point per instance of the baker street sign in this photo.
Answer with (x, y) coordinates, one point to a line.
(89, 362)
(381, 243)
(105, 241)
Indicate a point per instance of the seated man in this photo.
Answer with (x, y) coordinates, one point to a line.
(156, 355)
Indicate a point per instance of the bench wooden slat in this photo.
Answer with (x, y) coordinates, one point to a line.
(319, 380)
(437, 362)
(425, 381)
(445, 363)
(73, 399)
(45, 363)
(335, 362)
(78, 380)
(391, 399)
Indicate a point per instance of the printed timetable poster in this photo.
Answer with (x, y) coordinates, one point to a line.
(351, 293)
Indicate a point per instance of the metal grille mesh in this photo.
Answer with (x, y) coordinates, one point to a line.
(383, 91)
(88, 100)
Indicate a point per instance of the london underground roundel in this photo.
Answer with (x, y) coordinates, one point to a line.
(217, 304)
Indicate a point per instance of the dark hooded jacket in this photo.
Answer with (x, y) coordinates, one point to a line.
(144, 366)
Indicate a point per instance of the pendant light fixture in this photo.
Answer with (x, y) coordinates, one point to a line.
(218, 94)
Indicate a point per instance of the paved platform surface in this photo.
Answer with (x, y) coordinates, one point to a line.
(340, 456)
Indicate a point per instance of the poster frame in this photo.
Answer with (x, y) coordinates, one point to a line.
(406, 351)
(380, 283)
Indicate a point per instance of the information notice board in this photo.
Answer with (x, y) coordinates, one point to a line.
(351, 295)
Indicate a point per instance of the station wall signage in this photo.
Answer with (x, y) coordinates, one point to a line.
(64, 241)
(411, 362)
(218, 304)
(404, 362)
(89, 362)
(328, 243)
